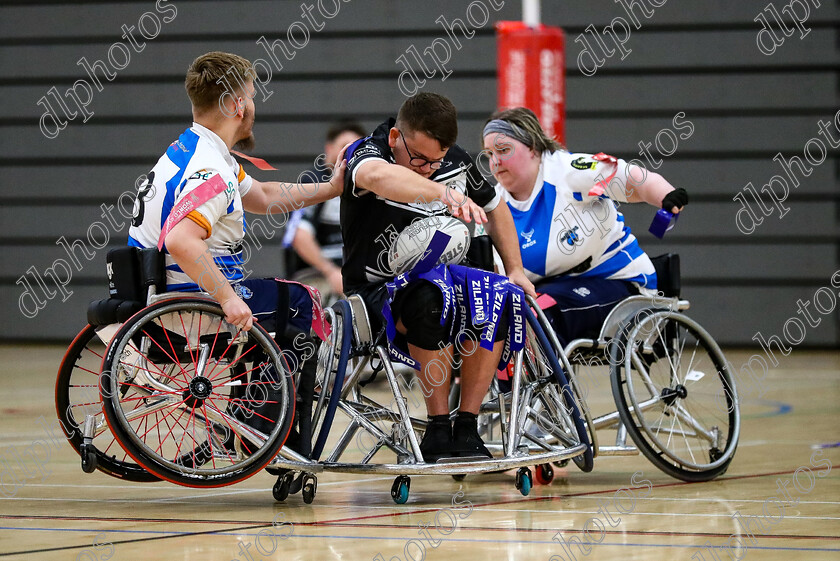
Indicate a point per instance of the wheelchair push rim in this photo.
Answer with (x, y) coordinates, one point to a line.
(570, 411)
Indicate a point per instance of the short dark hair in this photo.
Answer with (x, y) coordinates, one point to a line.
(433, 115)
(345, 125)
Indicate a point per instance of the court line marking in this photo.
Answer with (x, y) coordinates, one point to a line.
(252, 525)
(421, 511)
(376, 538)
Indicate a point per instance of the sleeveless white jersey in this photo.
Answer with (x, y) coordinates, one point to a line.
(197, 155)
(561, 225)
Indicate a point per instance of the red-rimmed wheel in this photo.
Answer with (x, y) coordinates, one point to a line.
(193, 399)
(77, 396)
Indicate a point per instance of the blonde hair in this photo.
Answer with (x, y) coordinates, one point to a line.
(207, 78)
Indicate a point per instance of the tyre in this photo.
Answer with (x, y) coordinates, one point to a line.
(333, 356)
(556, 413)
(77, 395)
(675, 394)
(193, 399)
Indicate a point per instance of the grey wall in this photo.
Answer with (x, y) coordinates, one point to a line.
(700, 58)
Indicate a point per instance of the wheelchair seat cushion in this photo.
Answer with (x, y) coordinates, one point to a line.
(112, 310)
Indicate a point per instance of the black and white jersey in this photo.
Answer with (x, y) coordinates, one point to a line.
(321, 220)
(369, 223)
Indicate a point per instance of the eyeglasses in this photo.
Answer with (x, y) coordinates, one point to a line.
(419, 161)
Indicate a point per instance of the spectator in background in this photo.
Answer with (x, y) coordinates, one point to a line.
(315, 232)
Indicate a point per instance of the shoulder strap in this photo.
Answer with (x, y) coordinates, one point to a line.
(195, 199)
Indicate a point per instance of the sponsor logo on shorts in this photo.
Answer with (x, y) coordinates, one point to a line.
(243, 292)
(581, 291)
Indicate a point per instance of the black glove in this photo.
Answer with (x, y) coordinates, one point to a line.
(676, 198)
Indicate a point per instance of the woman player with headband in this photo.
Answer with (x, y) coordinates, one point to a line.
(575, 245)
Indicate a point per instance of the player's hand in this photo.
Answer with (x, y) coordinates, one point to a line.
(675, 200)
(517, 277)
(335, 280)
(463, 207)
(339, 167)
(238, 313)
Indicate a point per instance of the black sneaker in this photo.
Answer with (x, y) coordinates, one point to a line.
(437, 441)
(465, 440)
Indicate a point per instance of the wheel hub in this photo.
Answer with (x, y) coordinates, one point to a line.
(200, 388)
(670, 395)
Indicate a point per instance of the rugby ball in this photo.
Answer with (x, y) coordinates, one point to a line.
(443, 235)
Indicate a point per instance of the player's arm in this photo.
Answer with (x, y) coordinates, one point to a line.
(185, 243)
(275, 196)
(502, 231)
(400, 184)
(650, 187)
(307, 247)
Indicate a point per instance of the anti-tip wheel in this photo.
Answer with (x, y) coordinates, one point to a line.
(544, 474)
(280, 491)
(309, 487)
(524, 481)
(89, 461)
(400, 489)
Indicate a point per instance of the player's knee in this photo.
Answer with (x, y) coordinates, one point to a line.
(420, 309)
(478, 332)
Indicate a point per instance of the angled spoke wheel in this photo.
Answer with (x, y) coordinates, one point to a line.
(675, 394)
(193, 399)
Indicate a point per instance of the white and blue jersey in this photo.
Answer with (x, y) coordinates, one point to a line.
(563, 229)
(197, 155)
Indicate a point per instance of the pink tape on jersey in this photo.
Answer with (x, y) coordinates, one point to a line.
(195, 199)
(601, 186)
(319, 323)
(258, 162)
(544, 301)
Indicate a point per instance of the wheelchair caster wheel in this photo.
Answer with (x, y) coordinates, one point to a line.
(459, 476)
(88, 452)
(280, 491)
(309, 485)
(562, 463)
(523, 481)
(400, 488)
(297, 484)
(544, 474)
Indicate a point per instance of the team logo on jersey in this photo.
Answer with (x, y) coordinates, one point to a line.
(243, 291)
(581, 291)
(570, 237)
(583, 163)
(528, 241)
(202, 174)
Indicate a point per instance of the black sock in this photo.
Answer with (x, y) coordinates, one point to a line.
(464, 417)
(439, 419)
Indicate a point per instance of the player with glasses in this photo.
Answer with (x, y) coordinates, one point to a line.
(419, 161)
(389, 186)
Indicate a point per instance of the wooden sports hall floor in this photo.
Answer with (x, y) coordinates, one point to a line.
(62, 513)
